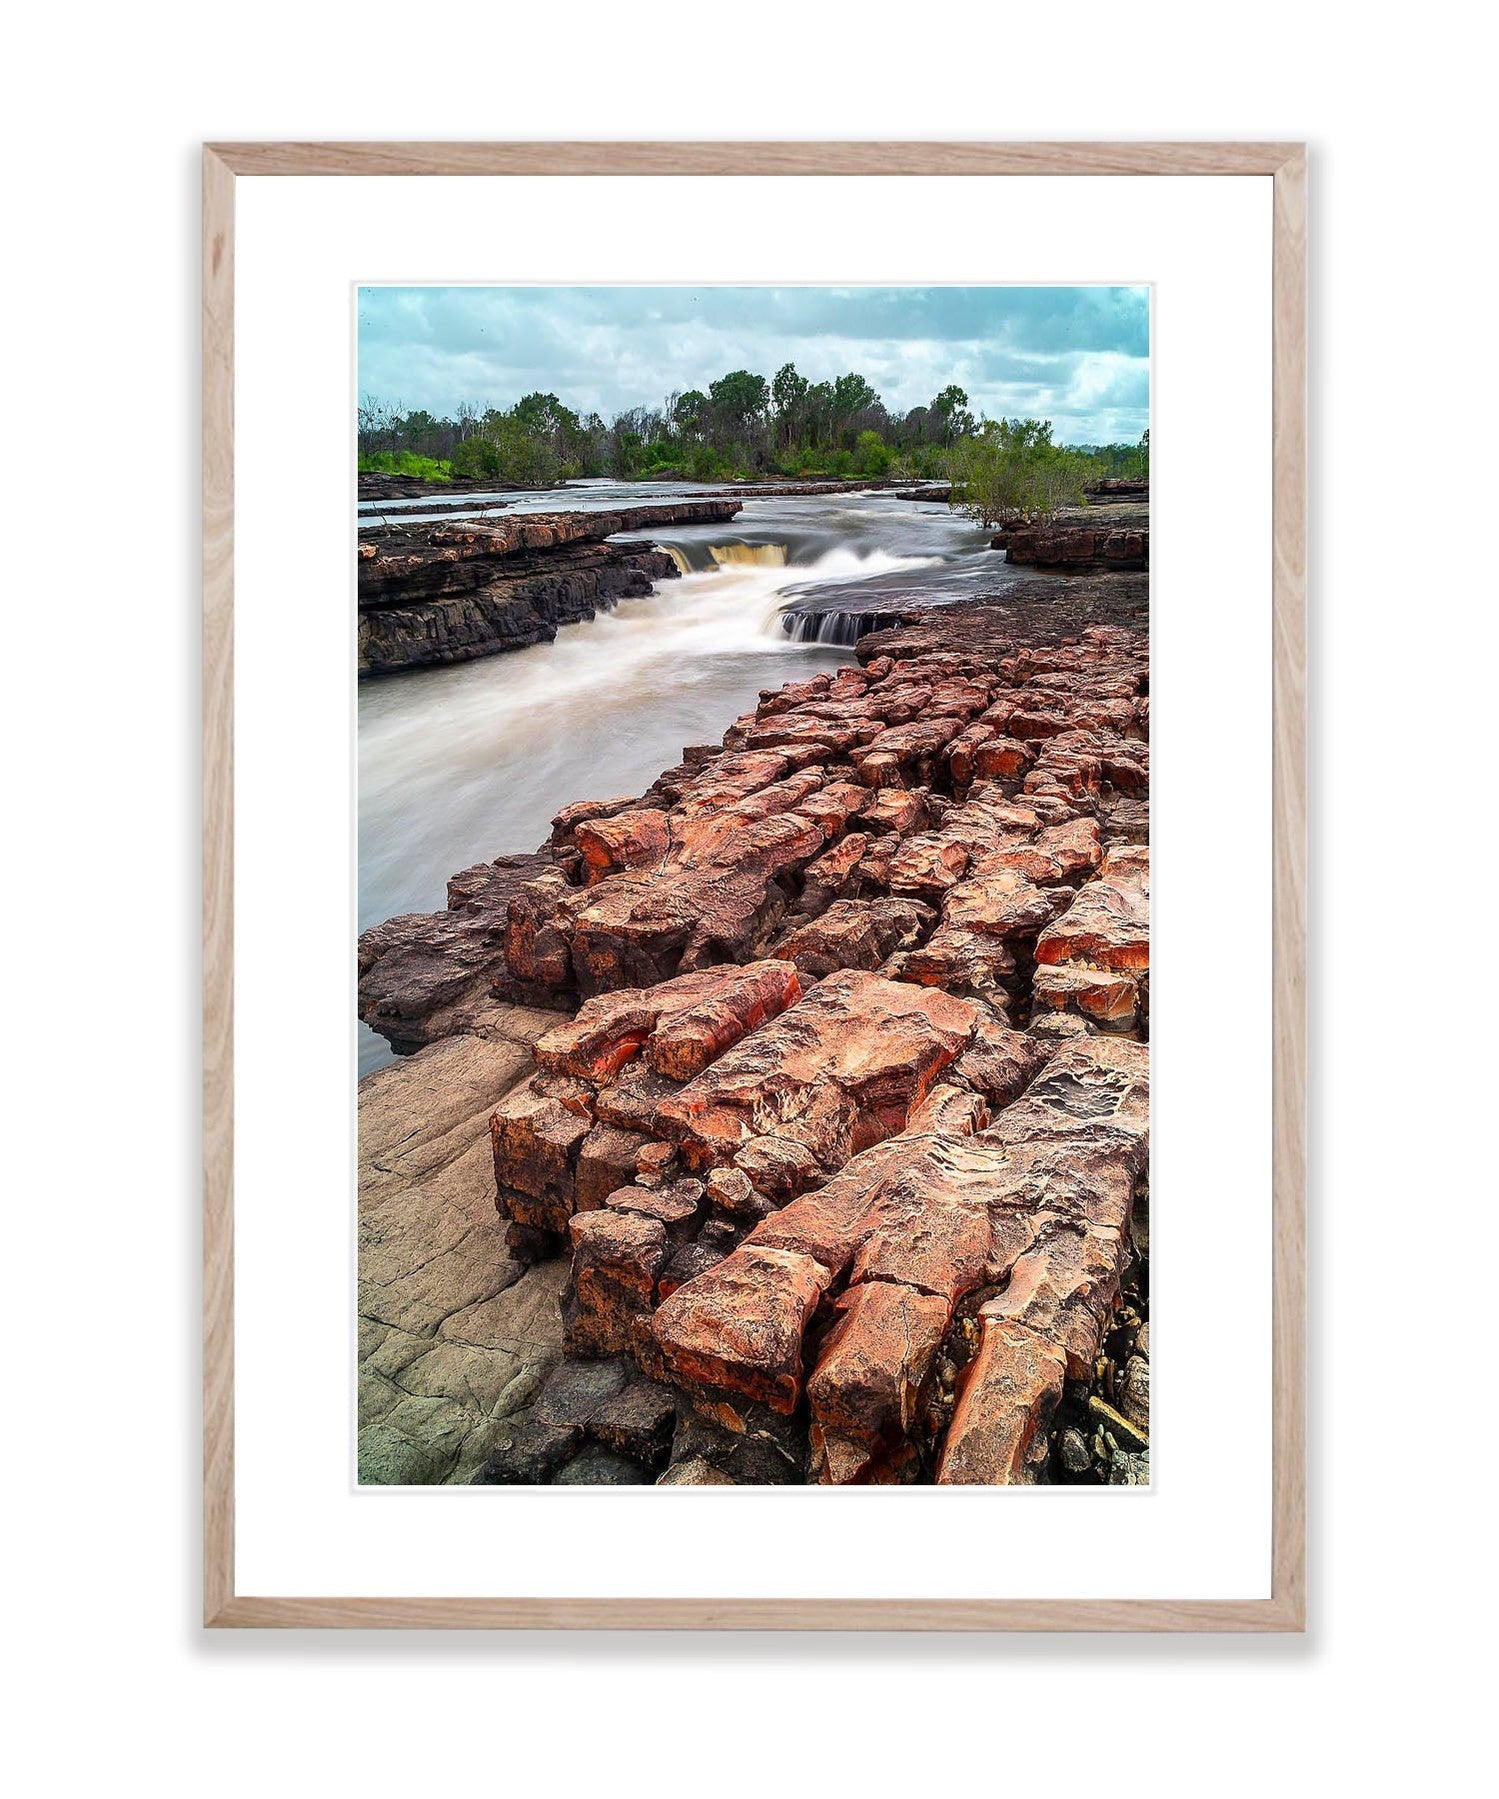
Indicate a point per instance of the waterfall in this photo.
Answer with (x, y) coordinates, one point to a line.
(762, 555)
(842, 628)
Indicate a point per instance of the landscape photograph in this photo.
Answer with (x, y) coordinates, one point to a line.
(753, 959)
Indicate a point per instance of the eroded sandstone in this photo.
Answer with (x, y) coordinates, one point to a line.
(843, 1136)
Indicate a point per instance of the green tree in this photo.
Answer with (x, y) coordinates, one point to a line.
(852, 395)
(951, 409)
(1012, 471)
(872, 456)
(819, 413)
(689, 414)
(789, 391)
(505, 452)
(739, 399)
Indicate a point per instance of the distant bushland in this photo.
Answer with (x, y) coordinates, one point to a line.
(747, 428)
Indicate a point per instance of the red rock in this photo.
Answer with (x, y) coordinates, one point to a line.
(730, 1190)
(863, 1392)
(655, 1162)
(928, 1226)
(1011, 1389)
(831, 876)
(566, 822)
(912, 748)
(894, 810)
(832, 806)
(1063, 1289)
(537, 953)
(738, 1328)
(836, 1072)
(987, 821)
(771, 1004)
(612, 1028)
(1000, 903)
(1001, 759)
(635, 839)
(677, 1206)
(999, 1063)
(632, 1099)
(1129, 774)
(1108, 924)
(951, 1111)
(778, 1167)
(853, 934)
(1099, 1081)
(1101, 996)
(536, 1141)
(713, 900)
(1074, 845)
(606, 1161)
(616, 1258)
(967, 962)
(686, 1042)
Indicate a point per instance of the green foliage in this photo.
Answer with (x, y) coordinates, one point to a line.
(403, 462)
(689, 413)
(1012, 471)
(505, 452)
(1122, 462)
(951, 408)
(738, 399)
(747, 426)
(872, 456)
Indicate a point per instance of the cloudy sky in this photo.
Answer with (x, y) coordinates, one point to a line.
(1076, 355)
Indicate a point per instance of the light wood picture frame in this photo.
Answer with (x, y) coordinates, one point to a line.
(1285, 1608)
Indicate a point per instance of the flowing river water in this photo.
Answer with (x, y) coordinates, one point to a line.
(460, 765)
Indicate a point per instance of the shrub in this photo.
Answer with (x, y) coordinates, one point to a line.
(508, 456)
(1014, 472)
(404, 462)
(872, 457)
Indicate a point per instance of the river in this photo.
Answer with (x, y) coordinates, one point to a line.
(459, 765)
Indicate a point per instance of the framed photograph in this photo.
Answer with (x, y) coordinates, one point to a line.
(754, 803)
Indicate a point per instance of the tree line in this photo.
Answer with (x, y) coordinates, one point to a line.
(746, 427)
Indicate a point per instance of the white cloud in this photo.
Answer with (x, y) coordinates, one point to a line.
(1076, 355)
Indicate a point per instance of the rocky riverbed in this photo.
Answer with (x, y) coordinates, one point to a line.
(1111, 533)
(788, 1121)
(478, 587)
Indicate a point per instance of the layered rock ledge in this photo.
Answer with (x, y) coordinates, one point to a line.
(478, 587)
(1075, 546)
(837, 1141)
(376, 486)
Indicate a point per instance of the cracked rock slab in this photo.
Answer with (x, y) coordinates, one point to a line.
(452, 1331)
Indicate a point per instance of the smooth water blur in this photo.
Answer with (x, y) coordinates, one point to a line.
(460, 765)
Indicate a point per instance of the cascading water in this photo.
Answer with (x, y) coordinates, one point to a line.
(461, 764)
(841, 628)
(755, 555)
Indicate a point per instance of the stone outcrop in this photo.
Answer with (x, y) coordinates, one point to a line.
(455, 1336)
(376, 486)
(424, 976)
(1043, 609)
(1119, 487)
(1075, 546)
(829, 1139)
(477, 587)
(835, 1143)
